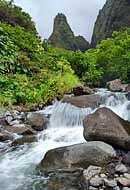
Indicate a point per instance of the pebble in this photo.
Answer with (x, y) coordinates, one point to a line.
(103, 176)
(92, 188)
(110, 183)
(127, 175)
(91, 171)
(121, 168)
(123, 181)
(96, 182)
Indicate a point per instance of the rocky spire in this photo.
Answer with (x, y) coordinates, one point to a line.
(63, 36)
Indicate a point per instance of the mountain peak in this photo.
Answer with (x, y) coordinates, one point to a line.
(63, 36)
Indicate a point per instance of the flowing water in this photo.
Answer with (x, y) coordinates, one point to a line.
(17, 166)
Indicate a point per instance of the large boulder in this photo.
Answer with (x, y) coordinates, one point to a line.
(105, 125)
(116, 86)
(37, 120)
(79, 155)
(85, 101)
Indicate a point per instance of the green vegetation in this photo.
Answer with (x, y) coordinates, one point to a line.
(32, 71)
(113, 56)
(14, 16)
(28, 73)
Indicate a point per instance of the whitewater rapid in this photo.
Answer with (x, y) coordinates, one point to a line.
(17, 166)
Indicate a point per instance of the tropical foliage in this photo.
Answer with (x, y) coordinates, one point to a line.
(32, 71)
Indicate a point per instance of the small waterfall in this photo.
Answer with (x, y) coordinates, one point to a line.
(67, 115)
(65, 128)
(117, 102)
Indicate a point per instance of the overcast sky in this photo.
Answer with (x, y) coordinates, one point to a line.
(81, 14)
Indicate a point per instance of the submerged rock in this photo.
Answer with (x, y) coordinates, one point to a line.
(79, 155)
(25, 139)
(85, 101)
(104, 125)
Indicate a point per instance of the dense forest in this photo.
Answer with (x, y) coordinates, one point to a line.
(33, 71)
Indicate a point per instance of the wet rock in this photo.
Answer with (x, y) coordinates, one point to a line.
(127, 89)
(25, 139)
(82, 90)
(110, 183)
(69, 179)
(85, 101)
(128, 97)
(116, 86)
(121, 168)
(79, 155)
(5, 136)
(20, 129)
(123, 181)
(106, 126)
(96, 181)
(37, 121)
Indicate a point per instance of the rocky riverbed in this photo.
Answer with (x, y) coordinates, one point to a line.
(68, 146)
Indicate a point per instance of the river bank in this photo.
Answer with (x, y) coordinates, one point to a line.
(63, 126)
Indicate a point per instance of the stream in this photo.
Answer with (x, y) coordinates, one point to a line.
(17, 166)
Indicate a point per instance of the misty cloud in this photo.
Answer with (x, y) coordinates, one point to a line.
(81, 14)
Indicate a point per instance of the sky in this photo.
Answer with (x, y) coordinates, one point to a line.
(81, 14)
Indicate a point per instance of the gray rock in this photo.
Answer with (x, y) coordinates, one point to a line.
(85, 101)
(5, 136)
(106, 126)
(19, 129)
(91, 171)
(25, 139)
(123, 181)
(96, 181)
(79, 155)
(37, 121)
(92, 188)
(121, 168)
(69, 179)
(126, 175)
(110, 183)
(116, 86)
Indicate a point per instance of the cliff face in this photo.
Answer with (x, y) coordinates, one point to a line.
(114, 16)
(63, 36)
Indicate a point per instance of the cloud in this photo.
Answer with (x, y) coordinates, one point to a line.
(81, 14)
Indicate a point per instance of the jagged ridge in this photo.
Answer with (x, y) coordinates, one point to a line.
(114, 16)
